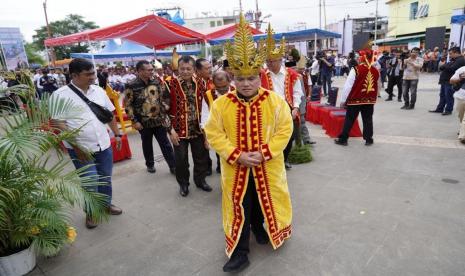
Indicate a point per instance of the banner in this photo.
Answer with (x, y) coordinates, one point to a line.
(12, 47)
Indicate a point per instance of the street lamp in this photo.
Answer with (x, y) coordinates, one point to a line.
(376, 19)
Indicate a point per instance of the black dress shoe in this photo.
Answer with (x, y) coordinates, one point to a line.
(209, 171)
(237, 263)
(287, 165)
(369, 142)
(435, 111)
(446, 113)
(204, 186)
(340, 142)
(405, 107)
(184, 191)
(151, 169)
(218, 169)
(173, 171)
(399, 100)
(388, 99)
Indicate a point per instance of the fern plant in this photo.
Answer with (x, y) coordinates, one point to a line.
(37, 187)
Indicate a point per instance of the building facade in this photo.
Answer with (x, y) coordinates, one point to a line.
(202, 23)
(410, 19)
(356, 33)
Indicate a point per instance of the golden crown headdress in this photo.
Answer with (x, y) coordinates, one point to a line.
(273, 52)
(244, 59)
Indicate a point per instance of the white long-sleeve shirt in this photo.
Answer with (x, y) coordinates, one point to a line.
(278, 86)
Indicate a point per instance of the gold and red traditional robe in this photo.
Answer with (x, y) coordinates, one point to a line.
(262, 124)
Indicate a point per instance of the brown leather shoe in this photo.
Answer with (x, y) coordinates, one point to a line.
(90, 223)
(113, 210)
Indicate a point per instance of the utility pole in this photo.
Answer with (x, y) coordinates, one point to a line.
(258, 14)
(319, 15)
(52, 51)
(376, 19)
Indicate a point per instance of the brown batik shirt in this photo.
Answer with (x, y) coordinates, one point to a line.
(147, 103)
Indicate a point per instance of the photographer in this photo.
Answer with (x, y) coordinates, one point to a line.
(48, 82)
(394, 73)
(458, 80)
(326, 71)
(412, 67)
(446, 95)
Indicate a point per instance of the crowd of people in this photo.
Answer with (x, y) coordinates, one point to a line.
(248, 109)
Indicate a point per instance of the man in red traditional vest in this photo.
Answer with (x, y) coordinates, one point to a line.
(359, 96)
(203, 74)
(185, 110)
(284, 81)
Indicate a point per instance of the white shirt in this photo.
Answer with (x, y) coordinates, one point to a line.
(206, 111)
(315, 68)
(278, 86)
(128, 78)
(93, 136)
(348, 85)
(36, 80)
(461, 93)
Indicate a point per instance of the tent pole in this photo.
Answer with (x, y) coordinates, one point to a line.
(93, 58)
(154, 53)
(314, 48)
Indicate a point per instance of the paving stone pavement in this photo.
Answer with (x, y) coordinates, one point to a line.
(396, 208)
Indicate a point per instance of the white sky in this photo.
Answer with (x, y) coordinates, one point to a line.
(28, 15)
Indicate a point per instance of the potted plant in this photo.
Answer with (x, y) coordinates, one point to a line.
(37, 188)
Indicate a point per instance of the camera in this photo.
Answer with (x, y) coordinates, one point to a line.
(319, 55)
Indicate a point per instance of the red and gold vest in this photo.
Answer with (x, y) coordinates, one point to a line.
(178, 106)
(365, 88)
(289, 81)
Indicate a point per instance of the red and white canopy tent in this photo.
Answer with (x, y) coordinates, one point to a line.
(225, 31)
(151, 30)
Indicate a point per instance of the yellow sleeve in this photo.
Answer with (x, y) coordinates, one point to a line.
(283, 131)
(217, 136)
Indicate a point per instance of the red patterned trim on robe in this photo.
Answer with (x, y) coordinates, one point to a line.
(265, 150)
(233, 156)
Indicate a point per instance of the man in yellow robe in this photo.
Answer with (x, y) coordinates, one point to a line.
(249, 129)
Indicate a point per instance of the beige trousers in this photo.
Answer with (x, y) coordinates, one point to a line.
(461, 111)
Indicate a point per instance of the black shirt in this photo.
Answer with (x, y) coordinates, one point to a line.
(448, 69)
(48, 83)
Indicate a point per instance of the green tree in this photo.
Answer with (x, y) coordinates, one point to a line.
(73, 23)
(32, 55)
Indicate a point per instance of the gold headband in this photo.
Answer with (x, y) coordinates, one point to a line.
(273, 52)
(244, 59)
